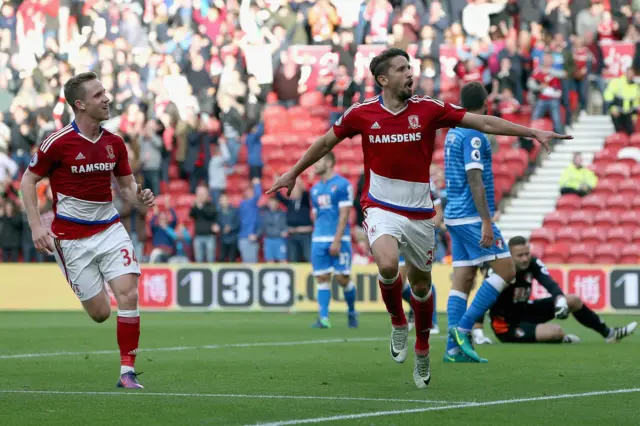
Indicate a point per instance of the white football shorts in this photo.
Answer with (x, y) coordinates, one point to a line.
(88, 263)
(416, 237)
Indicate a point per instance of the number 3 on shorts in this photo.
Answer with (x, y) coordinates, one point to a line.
(127, 258)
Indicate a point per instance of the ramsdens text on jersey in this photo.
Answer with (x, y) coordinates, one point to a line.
(400, 137)
(96, 167)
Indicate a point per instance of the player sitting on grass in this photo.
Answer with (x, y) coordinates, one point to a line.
(332, 200)
(516, 319)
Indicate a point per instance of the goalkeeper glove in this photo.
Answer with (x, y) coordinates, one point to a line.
(562, 308)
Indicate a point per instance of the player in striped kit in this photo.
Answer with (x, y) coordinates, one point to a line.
(398, 140)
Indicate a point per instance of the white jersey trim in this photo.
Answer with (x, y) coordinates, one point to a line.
(329, 239)
(46, 144)
(480, 260)
(85, 212)
(400, 194)
(345, 203)
(472, 166)
(462, 221)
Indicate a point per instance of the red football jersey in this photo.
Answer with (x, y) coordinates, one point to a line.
(79, 170)
(397, 151)
(581, 57)
(553, 85)
(508, 106)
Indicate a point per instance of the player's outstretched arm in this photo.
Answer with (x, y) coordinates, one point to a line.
(319, 149)
(41, 235)
(498, 126)
(474, 176)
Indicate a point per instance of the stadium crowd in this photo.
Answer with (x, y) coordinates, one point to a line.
(190, 81)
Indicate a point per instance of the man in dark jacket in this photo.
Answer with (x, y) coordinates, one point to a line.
(204, 214)
(229, 224)
(10, 231)
(299, 223)
(273, 227)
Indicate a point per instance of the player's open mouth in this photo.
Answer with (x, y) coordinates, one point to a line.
(409, 84)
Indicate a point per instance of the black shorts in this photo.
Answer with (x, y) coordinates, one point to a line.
(521, 328)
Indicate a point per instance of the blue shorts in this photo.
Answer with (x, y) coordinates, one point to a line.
(323, 263)
(401, 263)
(466, 249)
(275, 249)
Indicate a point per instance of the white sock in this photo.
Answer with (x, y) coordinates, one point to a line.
(125, 369)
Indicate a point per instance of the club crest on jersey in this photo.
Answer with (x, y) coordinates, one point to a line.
(334, 188)
(519, 333)
(476, 143)
(110, 154)
(429, 260)
(499, 243)
(414, 122)
(34, 160)
(372, 231)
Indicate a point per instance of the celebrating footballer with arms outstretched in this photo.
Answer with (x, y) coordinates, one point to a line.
(87, 239)
(398, 132)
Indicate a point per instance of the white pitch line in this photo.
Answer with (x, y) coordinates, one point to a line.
(225, 395)
(221, 346)
(445, 407)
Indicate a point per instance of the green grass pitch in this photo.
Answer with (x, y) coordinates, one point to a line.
(238, 368)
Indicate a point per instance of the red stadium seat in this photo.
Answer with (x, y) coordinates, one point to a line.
(581, 253)
(178, 187)
(517, 159)
(581, 218)
(556, 253)
(555, 220)
(634, 140)
(592, 203)
(620, 235)
(599, 169)
(537, 250)
(568, 203)
(607, 155)
(606, 254)
(616, 140)
(311, 99)
(635, 236)
(606, 187)
(630, 218)
(174, 171)
(606, 219)
(568, 234)
(507, 142)
(630, 254)
(542, 236)
(593, 235)
(619, 203)
(617, 171)
(503, 170)
(635, 171)
(635, 203)
(628, 188)
(185, 200)
(542, 124)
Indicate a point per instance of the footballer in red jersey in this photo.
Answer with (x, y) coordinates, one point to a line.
(398, 137)
(86, 237)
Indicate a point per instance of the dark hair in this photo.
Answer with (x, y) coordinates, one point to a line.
(74, 88)
(473, 96)
(332, 157)
(381, 63)
(517, 241)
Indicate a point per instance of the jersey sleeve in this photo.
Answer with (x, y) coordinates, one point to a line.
(345, 195)
(42, 162)
(541, 274)
(444, 114)
(346, 126)
(122, 159)
(472, 148)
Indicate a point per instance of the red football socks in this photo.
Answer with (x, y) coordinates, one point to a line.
(423, 311)
(128, 332)
(392, 297)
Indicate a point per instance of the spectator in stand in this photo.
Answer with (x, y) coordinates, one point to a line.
(546, 83)
(163, 224)
(254, 151)
(8, 168)
(29, 252)
(577, 179)
(437, 19)
(587, 20)
(564, 67)
(375, 24)
(231, 117)
(622, 96)
(199, 141)
(229, 224)
(607, 28)
(248, 213)
(22, 138)
(583, 61)
(508, 105)
(511, 52)
(346, 49)
(410, 21)
(217, 171)
(322, 19)
(151, 146)
(273, 227)
(287, 81)
(182, 240)
(255, 102)
(504, 78)
(298, 207)
(342, 90)
(10, 231)
(205, 217)
(558, 18)
(475, 17)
